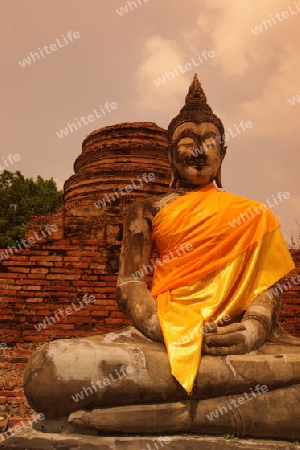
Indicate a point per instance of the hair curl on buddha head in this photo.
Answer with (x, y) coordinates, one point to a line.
(197, 110)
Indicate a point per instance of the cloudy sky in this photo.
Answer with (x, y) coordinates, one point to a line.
(115, 56)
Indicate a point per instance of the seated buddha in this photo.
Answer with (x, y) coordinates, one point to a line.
(207, 333)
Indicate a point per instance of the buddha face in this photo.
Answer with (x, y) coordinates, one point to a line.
(197, 154)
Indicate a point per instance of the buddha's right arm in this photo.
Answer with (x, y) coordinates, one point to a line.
(132, 292)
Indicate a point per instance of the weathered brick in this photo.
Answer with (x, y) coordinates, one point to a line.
(9, 286)
(8, 292)
(115, 321)
(32, 288)
(102, 313)
(17, 263)
(12, 275)
(23, 270)
(39, 270)
(49, 258)
(58, 276)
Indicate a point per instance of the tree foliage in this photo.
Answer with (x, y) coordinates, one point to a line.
(22, 198)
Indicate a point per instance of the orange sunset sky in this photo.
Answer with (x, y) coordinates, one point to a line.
(116, 56)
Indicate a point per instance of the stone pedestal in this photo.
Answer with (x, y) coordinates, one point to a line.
(35, 440)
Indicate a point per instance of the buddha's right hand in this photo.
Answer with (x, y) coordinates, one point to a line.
(235, 339)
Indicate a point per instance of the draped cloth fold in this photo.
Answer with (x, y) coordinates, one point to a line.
(218, 251)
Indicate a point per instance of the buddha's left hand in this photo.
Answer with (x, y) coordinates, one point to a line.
(236, 338)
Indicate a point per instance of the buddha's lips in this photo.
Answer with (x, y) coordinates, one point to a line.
(198, 163)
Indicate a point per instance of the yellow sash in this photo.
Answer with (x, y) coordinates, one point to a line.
(218, 251)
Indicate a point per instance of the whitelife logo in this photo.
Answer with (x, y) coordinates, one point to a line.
(68, 311)
(21, 426)
(124, 9)
(29, 241)
(10, 159)
(146, 269)
(109, 198)
(124, 371)
(256, 210)
(167, 76)
(53, 47)
(280, 287)
(239, 401)
(243, 126)
(279, 17)
(90, 118)
(294, 100)
(199, 331)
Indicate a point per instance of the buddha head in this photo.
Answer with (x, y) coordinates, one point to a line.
(195, 136)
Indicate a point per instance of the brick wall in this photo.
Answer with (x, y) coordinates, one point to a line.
(42, 282)
(290, 313)
(49, 279)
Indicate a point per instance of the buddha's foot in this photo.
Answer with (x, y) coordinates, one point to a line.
(255, 413)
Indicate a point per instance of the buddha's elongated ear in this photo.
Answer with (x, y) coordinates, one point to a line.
(173, 179)
(217, 179)
(170, 155)
(223, 151)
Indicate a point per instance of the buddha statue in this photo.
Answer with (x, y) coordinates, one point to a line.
(207, 353)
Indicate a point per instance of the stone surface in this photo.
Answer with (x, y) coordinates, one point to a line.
(92, 360)
(192, 416)
(34, 440)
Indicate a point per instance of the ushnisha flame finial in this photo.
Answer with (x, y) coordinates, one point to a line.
(196, 93)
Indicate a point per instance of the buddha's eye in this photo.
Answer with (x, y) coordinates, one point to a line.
(186, 144)
(186, 141)
(211, 142)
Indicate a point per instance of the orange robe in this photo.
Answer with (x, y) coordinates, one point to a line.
(218, 251)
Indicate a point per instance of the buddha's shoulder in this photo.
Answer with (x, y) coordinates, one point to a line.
(235, 198)
(153, 204)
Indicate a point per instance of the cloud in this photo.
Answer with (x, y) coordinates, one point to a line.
(229, 25)
(160, 55)
(263, 65)
(270, 111)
